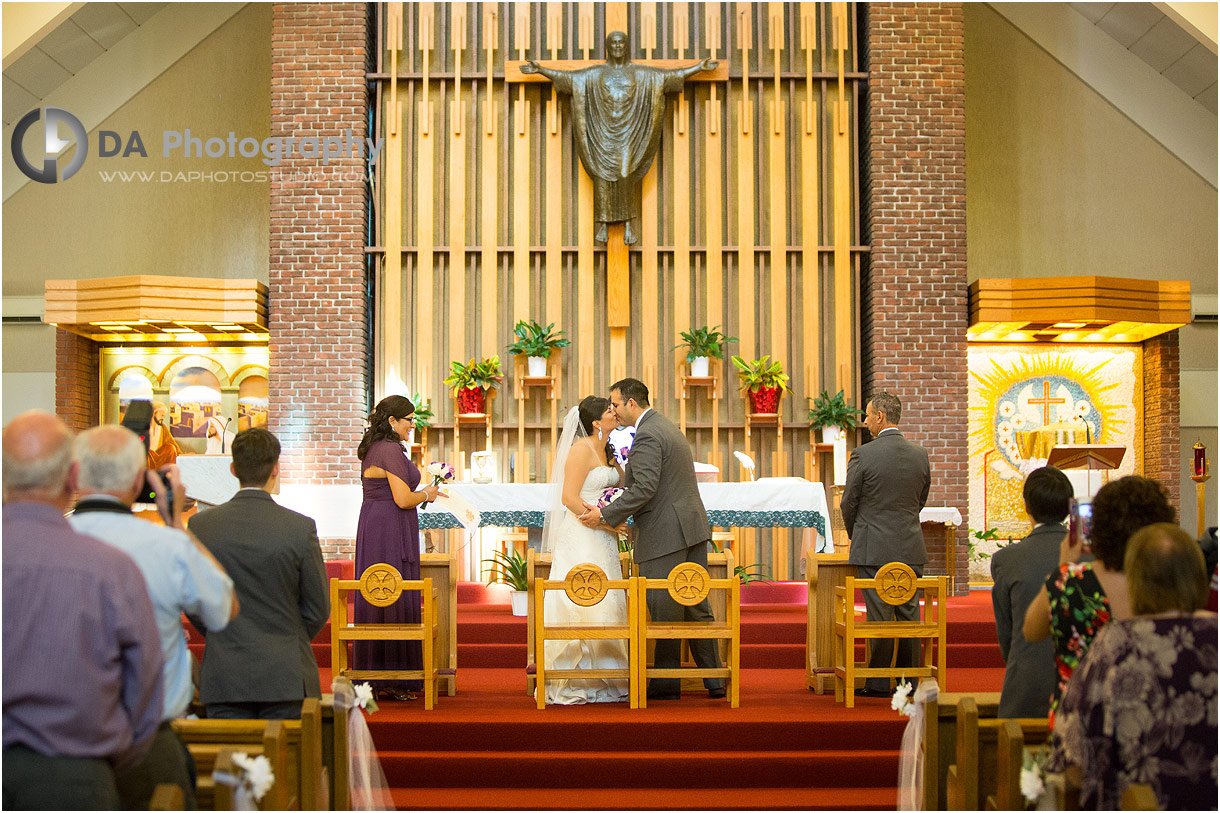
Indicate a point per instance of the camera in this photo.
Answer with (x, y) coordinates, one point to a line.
(149, 494)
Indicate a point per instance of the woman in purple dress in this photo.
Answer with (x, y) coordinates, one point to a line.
(389, 532)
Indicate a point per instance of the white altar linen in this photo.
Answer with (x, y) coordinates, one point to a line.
(940, 514)
(771, 502)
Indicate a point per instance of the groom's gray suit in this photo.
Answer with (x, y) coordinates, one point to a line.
(671, 527)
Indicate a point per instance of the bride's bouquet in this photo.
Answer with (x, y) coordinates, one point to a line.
(608, 496)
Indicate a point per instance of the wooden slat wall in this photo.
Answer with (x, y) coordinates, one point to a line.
(757, 232)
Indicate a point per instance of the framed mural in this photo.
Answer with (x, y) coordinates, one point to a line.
(1025, 399)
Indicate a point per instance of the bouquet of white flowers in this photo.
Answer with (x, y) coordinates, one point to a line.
(440, 472)
(257, 776)
(364, 697)
(608, 496)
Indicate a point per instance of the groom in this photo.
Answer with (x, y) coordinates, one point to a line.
(671, 525)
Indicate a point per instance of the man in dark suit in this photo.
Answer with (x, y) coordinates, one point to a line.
(887, 486)
(261, 665)
(1019, 571)
(671, 525)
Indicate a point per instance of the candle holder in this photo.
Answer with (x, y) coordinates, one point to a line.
(1201, 473)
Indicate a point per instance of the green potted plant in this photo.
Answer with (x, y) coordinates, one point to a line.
(763, 379)
(423, 412)
(701, 344)
(536, 342)
(834, 415)
(470, 382)
(511, 568)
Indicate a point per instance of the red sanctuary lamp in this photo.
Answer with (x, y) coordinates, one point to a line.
(1199, 473)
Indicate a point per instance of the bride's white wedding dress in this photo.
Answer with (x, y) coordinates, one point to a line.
(575, 544)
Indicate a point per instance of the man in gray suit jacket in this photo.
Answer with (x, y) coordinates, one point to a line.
(671, 525)
(262, 665)
(887, 486)
(1020, 571)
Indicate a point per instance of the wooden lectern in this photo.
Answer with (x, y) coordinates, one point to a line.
(1089, 456)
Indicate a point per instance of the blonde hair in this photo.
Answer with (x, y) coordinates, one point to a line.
(1165, 570)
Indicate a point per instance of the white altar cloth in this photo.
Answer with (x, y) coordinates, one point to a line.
(207, 477)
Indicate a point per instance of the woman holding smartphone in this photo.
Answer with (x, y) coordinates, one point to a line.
(1082, 596)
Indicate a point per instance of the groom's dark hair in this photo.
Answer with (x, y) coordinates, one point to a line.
(632, 389)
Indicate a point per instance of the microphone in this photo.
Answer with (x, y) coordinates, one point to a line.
(224, 429)
(1087, 438)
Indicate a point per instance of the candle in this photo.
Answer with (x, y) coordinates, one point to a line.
(1200, 458)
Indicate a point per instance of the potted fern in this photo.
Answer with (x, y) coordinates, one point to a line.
(834, 415)
(701, 344)
(422, 416)
(511, 568)
(536, 342)
(764, 380)
(470, 382)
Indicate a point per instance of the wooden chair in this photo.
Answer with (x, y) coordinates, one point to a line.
(208, 739)
(896, 583)
(442, 569)
(725, 540)
(973, 776)
(538, 568)
(586, 585)
(688, 584)
(381, 585)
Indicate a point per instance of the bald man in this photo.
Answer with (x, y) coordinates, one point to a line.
(82, 660)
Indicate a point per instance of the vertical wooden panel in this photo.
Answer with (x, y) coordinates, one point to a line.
(554, 168)
(489, 210)
(616, 17)
(810, 195)
(713, 169)
(587, 335)
(523, 183)
(647, 331)
(457, 189)
(681, 225)
(746, 172)
(845, 372)
(391, 370)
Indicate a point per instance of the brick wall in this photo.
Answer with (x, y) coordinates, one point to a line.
(316, 280)
(316, 309)
(76, 380)
(1162, 432)
(914, 311)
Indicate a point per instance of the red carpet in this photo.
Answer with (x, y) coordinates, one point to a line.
(489, 747)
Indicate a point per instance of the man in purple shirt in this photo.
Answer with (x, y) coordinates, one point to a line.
(82, 660)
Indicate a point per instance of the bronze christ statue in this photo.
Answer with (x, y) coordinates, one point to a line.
(617, 112)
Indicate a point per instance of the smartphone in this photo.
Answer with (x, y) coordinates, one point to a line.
(1080, 521)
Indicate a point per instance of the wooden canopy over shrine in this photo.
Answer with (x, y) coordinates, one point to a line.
(1076, 309)
(159, 309)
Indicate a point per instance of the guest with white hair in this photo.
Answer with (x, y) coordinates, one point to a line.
(179, 572)
(82, 661)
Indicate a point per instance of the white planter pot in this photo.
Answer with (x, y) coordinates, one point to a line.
(517, 597)
(537, 366)
(698, 367)
(831, 434)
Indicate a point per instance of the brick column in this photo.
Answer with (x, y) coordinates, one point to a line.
(77, 397)
(1162, 423)
(316, 309)
(914, 311)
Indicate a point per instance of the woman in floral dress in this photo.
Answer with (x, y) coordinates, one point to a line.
(1082, 597)
(1142, 706)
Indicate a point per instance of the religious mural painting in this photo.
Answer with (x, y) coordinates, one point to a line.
(1023, 401)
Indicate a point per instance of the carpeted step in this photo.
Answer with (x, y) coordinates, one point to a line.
(975, 656)
(644, 769)
(600, 798)
(773, 656)
(491, 656)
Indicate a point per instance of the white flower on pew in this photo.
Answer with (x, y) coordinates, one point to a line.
(1033, 771)
(901, 702)
(364, 697)
(257, 773)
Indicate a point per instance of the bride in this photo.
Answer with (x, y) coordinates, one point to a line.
(584, 467)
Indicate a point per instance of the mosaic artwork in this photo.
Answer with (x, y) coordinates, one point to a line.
(1024, 400)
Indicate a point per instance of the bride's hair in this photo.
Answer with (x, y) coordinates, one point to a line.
(379, 421)
(592, 408)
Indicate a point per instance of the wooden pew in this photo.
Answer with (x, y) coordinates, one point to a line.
(294, 748)
(940, 740)
(334, 751)
(166, 797)
(973, 777)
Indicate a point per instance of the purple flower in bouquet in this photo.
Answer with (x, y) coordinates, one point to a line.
(608, 496)
(440, 472)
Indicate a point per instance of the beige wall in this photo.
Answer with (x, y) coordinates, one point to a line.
(87, 227)
(1060, 182)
